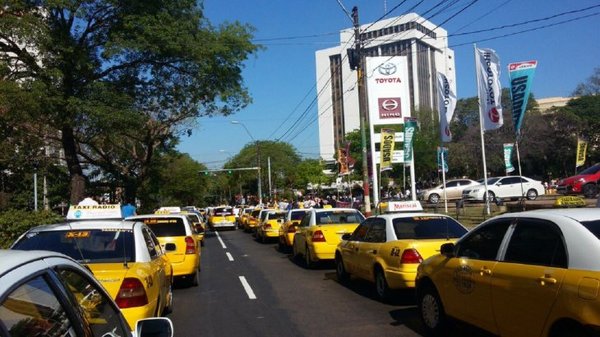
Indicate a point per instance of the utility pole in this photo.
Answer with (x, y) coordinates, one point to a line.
(362, 110)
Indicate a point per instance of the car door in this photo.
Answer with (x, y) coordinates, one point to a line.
(369, 248)
(453, 190)
(525, 283)
(160, 265)
(468, 295)
(349, 248)
(303, 229)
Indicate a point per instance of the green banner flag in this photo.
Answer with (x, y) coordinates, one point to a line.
(410, 128)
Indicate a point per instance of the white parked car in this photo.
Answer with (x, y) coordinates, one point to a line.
(454, 189)
(504, 188)
(45, 293)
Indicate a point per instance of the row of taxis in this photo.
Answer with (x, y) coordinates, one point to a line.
(136, 259)
(533, 273)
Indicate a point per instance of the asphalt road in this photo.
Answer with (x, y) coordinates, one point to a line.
(252, 289)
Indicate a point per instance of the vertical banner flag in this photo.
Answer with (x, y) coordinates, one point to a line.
(343, 161)
(387, 149)
(442, 159)
(521, 78)
(446, 106)
(581, 148)
(508, 150)
(487, 69)
(410, 128)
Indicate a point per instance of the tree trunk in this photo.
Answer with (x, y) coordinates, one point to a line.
(77, 185)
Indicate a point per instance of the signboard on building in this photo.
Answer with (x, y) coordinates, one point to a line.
(387, 88)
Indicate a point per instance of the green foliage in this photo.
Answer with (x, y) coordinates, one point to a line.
(16, 222)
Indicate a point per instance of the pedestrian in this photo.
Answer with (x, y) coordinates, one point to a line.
(128, 210)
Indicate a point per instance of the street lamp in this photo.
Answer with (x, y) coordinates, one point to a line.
(257, 158)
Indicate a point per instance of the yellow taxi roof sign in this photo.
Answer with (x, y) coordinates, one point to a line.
(93, 212)
(404, 206)
(168, 210)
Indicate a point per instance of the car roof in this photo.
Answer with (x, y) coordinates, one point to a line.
(12, 259)
(334, 209)
(408, 215)
(578, 214)
(144, 216)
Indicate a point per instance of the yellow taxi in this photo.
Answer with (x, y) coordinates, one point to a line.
(244, 215)
(197, 225)
(222, 217)
(269, 227)
(176, 234)
(124, 256)
(252, 220)
(533, 273)
(320, 231)
(288, 229)
(387, 249)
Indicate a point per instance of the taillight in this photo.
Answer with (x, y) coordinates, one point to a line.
(292, 229)
(411, 256)
(131, 294)
(318, 236)
(190, 246)
(267, 226)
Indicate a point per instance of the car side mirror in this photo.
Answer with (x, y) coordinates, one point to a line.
(199, 228)
(170, 247)
(154, 327)
(447, 249)
(346, 236)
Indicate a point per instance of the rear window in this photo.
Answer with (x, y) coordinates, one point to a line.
(592, 226)
(85, 246)
(276, 216)
(298, 215)
(427, 227)
(166, 226)
(339, 217)
(223, 211)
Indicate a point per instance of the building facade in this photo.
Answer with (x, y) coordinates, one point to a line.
(424, 44)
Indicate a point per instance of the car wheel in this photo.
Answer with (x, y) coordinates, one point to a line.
(434, 198)
(532, 194)
(491, 196)
(263, 239)
(381, 286)
(431, 311)
(193, 279)
(295, 252)
(307, 259)
(590, 190)
(340, 270)
(169, 305)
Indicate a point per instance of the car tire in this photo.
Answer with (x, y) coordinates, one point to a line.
(434, 198)
(193, 279)
(491, 196)
(590, 190)
(532, 194)
(431, 311)
(308, 262)
(382, 288)
(340, 270)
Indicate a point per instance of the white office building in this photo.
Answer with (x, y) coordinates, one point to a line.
(424, 44)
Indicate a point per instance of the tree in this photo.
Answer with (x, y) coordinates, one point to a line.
(590, 87)
(118, 81)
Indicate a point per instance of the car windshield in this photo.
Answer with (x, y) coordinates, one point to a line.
(339, 217)
(298, 215)
(83, 245)
(163, 227)
(427, 227)
(593, 226)
(492, 181)
(591, 170)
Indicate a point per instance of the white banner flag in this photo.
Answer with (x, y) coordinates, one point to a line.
(447, 104)
(487, 69)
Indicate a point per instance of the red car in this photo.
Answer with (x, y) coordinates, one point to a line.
(586, 182)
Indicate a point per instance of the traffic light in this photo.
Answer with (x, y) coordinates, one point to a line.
(229, 171)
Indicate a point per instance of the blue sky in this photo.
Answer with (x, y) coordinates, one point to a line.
(281, 78)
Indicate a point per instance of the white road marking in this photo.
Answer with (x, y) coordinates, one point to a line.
(229, 256)
(247, 287)
(221, 241)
